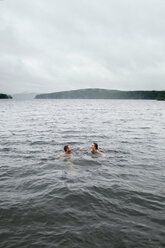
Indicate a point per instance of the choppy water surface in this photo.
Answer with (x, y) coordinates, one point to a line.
(82, 201)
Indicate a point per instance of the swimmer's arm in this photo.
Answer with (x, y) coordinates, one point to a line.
(84, 149)
(61, 155)
(101, 153)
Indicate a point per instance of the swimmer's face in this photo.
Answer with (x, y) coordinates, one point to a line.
(69, 149)
(93, 147)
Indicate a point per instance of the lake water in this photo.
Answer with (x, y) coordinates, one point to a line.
(80, 200)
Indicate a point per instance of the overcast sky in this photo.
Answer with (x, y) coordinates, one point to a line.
(54, 45)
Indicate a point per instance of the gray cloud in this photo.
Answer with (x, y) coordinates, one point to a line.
(56, 45)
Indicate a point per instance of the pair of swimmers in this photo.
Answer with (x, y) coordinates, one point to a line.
(94, 149)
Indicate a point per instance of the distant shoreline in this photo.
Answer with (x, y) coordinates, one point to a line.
(4, 96)
(104, 94)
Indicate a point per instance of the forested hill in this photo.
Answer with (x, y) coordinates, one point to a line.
(103, 94)
(4, 96)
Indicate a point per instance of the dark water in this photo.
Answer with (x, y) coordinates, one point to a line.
(82, 201)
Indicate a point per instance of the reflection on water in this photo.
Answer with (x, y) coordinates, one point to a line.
(82, 200)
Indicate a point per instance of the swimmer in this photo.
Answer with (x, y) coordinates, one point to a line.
(67, 149)
(95, 149)
(67, 158)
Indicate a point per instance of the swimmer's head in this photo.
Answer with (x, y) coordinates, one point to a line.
(67, 149)
(94, 146)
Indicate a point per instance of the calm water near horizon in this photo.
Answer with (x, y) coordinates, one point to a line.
(81, 201)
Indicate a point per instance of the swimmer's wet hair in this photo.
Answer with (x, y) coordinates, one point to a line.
(96, 145)
(65, 148)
